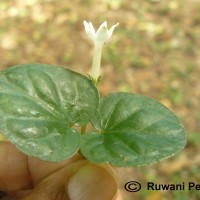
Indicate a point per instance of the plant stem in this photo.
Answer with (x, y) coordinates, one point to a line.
(83, 129)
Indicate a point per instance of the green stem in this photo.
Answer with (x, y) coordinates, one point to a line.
(83, 129)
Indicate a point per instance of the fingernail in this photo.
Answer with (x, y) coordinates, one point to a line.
(91, 182)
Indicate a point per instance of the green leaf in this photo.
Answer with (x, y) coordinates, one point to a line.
(38, 105)
(135, 130)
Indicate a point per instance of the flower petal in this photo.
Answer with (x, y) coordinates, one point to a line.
(89, 29)
(103, 25)
(102, 35)
(110, 32)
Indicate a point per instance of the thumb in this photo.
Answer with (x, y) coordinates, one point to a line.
(80, 180)
(92, 182)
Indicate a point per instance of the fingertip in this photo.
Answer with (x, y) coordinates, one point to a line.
(92, 182)
(14, 173)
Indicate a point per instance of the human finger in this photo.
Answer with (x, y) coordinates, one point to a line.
(80, 180)
(20, 172)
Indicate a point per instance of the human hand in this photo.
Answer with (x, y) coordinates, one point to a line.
(27, 178)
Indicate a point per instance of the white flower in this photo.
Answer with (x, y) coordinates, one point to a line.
(102, 35)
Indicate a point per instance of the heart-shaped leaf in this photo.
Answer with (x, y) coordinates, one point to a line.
(135, 130)
(38, 105)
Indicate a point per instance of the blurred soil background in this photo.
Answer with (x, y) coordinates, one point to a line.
(155, 51)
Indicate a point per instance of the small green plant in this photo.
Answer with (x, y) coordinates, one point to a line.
(41, 107)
